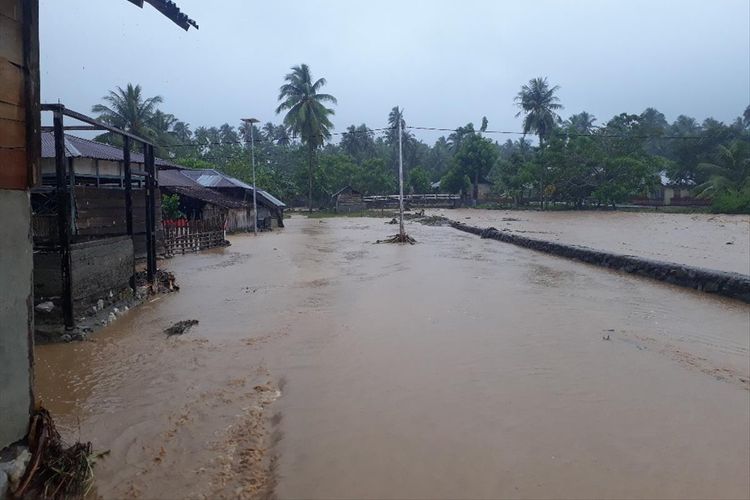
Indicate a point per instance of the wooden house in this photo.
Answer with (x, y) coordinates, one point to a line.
(270, 209)
(347, 200)
(201, 203)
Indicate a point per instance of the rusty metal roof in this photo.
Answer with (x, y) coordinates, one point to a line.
(171, 11)
(77, 147)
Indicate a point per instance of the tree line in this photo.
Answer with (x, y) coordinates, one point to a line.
(575, 162)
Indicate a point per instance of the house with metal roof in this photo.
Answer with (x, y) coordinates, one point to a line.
(94, 163)
(197, 202)
(270, 208)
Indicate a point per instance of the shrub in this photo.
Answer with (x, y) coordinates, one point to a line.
(732, 202)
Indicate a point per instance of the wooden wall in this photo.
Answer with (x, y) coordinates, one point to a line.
(100, 213)
(20, 140)
(97, 267)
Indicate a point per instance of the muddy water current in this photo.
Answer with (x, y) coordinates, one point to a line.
(325, 366)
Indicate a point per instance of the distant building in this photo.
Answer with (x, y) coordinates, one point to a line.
(201, 203)
(270, 208)
(669, 193)
(347, 200)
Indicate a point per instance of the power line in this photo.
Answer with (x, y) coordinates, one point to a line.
(564, 134)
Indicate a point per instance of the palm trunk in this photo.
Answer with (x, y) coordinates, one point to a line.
(543, 173)
(309, 177)
(476, 188)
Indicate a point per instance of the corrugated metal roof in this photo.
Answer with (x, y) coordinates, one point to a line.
(171, 10)
(175, 178)
(271, 198)
(178, 182)
(77, 147)
(214, 179)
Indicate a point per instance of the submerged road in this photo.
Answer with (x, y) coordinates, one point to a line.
(325, 366)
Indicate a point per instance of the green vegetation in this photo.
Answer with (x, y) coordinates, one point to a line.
(170, 206)
(575, 163)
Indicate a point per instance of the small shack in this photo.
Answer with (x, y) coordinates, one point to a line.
(347, 200)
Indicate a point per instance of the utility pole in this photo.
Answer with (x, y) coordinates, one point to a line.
(401, 231)
(251, 122)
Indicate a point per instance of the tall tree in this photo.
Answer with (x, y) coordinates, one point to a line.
(581, 123)
(539, 104)
(128, 109)
(182, 132)
(730, 172)
(306, 113)
(475, 159)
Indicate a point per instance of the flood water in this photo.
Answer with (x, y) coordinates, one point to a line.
(325, 366)
(713, 241)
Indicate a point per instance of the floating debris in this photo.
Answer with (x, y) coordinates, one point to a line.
(180, 327)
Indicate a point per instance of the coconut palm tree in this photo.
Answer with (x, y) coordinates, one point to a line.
(182, 132)
(282, 136)
(306, 114)
(731, 172)
(127, 109)
(539, 104)
(581, 123)
(268, 132)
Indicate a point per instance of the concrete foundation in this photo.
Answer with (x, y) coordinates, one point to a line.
(16, 318)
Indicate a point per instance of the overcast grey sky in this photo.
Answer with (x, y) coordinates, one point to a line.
(446, 62)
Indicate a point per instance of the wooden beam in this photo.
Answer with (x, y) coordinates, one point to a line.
(63, 220)
(128, 187)
(31, 89)
(148, 154)
(91, 121)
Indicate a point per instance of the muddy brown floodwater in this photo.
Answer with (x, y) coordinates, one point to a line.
(713, 241)
(325, 366)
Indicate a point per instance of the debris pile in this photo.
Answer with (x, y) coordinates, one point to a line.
(55, 471)
(164, 281)
(398, 238)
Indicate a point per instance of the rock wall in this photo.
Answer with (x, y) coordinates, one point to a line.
(733, 285)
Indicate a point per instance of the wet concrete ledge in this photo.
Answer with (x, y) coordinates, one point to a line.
(732, 285)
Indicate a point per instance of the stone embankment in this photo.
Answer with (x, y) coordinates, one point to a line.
(733, 285)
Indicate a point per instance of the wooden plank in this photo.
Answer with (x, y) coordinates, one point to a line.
(12, 112)
(11, 43)
(11, 83)
(13, 169)
(11, 9)
(12, 134)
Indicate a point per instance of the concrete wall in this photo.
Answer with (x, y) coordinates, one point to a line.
(20, 143)
(15, 315)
